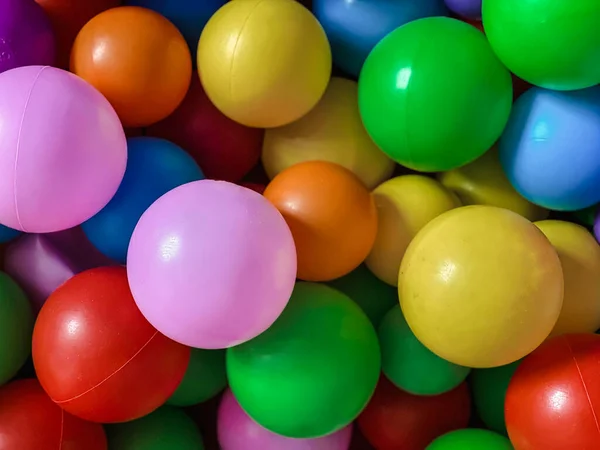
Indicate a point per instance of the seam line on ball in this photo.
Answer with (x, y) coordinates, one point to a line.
(111, 375)
(16, 166)
(62, 428)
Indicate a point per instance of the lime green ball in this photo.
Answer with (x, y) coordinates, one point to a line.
(471, 439)
(370, 293)
(204, 378)
(489, 392)
(167, 428)
(433, 95)
(552, 44)
(409, 364)
(313, 371)
(16, 328)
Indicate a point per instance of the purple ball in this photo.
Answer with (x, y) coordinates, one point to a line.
(469, 9)
(237, 431)
(26, 35)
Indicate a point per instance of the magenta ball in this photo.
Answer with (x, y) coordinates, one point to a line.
(469, 9)
(211, 264)
(26, 35)
(62, 150)
(237, 431)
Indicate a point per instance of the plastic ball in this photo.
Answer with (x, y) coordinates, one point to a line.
(204, 378)
(166, 428)
(580, 259)
(488, 387)
(373, 296)
(520, 33)
(261, 88)
(469, 290)
(95, 354)
(70, 147)
(470, 9)
(237, 431)
(331, 214)
(354, 28)
(8, 234)
(294, 378)
(154, 167)
(211, 264)
(26, 35)
(16, 328)
(422, 117)
(483, 182)
(395, 419)
(332, 131)
(68, 17)
(553, 397)
(549, 148)
(226, 150)
(189, 17)
(405, 204)
(409, 364)
(146, 79)
(29, 420)
(471, 438)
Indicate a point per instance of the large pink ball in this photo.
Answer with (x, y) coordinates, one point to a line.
(62, 150)
(211, 264)
(237, 431)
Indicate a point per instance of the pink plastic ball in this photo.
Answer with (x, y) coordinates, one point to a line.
(237, 431)
(211, 264)
(62, 150)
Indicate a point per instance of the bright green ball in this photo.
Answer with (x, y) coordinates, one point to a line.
(167, 428)
(433, 95)
(16, 328)
(554, 44)
(471, 439)
(409, 364)
(204, 378)
(313, 371)
(489, 393)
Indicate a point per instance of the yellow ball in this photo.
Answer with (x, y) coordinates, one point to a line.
(405, 204)
(579, 255)
(483, 182)
(481, 286)
(332, 131)
(264, 63)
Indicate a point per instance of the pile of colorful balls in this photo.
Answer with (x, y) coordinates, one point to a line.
(299, 225)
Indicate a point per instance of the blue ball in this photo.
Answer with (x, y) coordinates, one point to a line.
(550, 149)
(7, 234)
(354, 27)
(154, 167)
(190, 16)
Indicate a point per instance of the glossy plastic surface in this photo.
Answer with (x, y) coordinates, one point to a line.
(472, 439)
(331, 214)
(553, 399)
(469, 290)
(420, 115)
(96, 355)
(146, 79)
(470, 9)
(294, 378)
(395, 419)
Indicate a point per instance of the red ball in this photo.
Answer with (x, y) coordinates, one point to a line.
(224, 149)
(97, 356)
(553, 399)
(256, 187)
(29, 420)
(395, 419)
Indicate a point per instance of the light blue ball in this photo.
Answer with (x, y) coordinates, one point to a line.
(550, 149)
(154, 167)
(189, 16)
(7, 234)
(354, 27)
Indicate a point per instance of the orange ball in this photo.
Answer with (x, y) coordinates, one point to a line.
(331, 214)
(138, 60)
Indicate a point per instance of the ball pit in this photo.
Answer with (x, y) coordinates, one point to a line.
(473, 439)
(505, 310)
(26, 35)
(86, 153)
